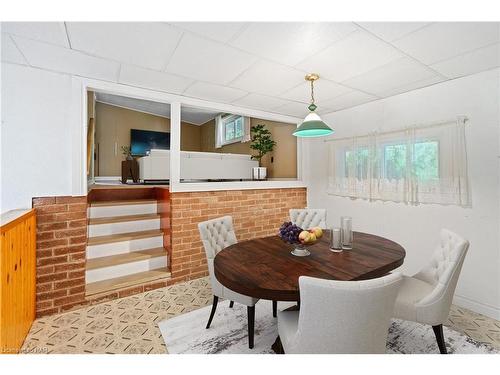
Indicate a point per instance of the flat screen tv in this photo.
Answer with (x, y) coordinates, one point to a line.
(142, 141)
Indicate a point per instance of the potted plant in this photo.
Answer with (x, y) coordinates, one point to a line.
(263, 143)
(126, 152)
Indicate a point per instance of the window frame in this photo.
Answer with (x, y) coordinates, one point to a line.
(399, 142)
(227, 119)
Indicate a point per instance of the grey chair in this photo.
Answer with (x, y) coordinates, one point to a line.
(340, 316)
(216, 235)
(308, 217)
(426, 296)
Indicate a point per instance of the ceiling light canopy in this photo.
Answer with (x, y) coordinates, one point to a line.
(312, 126)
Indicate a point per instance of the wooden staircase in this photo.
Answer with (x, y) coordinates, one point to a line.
(124, 246)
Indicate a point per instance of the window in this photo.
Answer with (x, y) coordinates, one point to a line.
(233, 129)
(423, 163)
(416, 165)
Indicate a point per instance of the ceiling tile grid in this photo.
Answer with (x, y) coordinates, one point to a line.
(136, 76)
(260, 65)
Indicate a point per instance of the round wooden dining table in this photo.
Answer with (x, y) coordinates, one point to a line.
(264, 267)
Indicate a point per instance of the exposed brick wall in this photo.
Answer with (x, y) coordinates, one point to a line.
(256, 213)
(60, 249)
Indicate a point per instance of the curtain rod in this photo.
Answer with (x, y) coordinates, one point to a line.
(431, 125)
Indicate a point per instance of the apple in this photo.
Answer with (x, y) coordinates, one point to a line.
(312, 238)
(304, 236)
(317, 231)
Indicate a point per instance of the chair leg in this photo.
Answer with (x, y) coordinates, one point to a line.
(438, 332)
(275, 309)
(212, 313)
(231, 304)
(251, 323)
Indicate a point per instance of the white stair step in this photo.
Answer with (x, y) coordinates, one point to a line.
(122, 208)
(126, 281)
(123, 243)
(132, 256)
(124, 269)
(147, 222)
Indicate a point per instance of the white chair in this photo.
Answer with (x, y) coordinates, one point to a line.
(216, 235)
(308, 217)
(340, 316)
(426, 297)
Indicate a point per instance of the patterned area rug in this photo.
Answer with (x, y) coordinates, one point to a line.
(228, 333)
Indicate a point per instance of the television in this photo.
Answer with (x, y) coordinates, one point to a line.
(142, 141)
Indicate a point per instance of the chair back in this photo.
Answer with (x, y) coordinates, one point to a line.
(308, 217)
(442, 272)
(216, 234)
(345, 316)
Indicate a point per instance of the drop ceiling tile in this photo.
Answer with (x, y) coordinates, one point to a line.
(443, 40)
(50, 32)
(470, 63)
(197, 116)
(290, 42)
(205, 60)
(395, 74)
(268, 78)
(412, 86)
(293, 109)
(10, 53)
(323, 90)
(356, 54)
(219, 31)
(261, 102)
(135, 76)
(391, 31)
(148, 106)
(49, 56)
(146, 44)
(209, 91)
(350, 99)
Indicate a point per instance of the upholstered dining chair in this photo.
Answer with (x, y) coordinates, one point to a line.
(216, 235)
(308, 217)
(340, 316)
(426, 297)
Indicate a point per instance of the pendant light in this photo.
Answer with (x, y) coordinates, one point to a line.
(312, 126)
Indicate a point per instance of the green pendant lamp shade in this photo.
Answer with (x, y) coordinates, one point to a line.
(312, 126)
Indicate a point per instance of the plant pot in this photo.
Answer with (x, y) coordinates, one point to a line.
(259, 173)
(129, 157)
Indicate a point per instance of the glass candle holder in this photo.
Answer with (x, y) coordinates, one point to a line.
(346, 225)
(336, 240)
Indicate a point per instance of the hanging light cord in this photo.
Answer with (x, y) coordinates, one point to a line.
(312, 92)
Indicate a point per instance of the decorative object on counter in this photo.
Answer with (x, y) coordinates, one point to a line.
(130, 169)
(259, 173)
(346, 225)
(263, 143)
(126, 152)
(299, 237)
(336, 240)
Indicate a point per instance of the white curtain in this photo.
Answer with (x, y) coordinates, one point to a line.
(426, 164)
(219, 132)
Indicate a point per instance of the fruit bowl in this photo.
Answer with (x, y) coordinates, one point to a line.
(299, 237)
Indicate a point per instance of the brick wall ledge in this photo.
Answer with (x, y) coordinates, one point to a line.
(236, 185)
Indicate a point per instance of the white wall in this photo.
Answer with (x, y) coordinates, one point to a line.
(417, 227)
(36, 148)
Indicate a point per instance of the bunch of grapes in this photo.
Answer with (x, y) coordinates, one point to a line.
(289, 232)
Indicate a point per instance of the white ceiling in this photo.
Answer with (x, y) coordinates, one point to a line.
(196, 116)
(261, 65)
